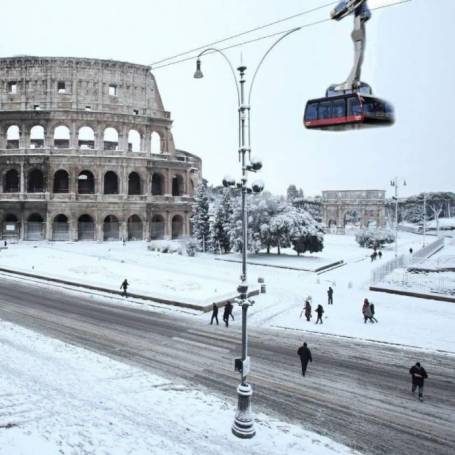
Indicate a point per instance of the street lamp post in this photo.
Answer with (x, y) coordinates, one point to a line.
(243, 426)
(396, 183)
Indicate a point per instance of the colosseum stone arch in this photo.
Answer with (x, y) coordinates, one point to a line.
(86, 153)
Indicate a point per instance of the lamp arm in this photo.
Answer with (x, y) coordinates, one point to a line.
(265, 56)
(214, 49)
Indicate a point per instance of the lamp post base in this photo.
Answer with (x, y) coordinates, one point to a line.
(243, 426)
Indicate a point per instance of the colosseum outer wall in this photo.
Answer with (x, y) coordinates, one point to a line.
(86, 152)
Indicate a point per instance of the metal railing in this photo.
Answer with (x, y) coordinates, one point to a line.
(403, 261)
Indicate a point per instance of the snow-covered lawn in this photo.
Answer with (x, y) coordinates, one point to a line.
(59, 399)
(404, 320)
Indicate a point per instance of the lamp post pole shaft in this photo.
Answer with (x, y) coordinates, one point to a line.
(396, 217)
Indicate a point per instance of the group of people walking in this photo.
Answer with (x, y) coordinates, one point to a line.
(307, 310)
(227, 313)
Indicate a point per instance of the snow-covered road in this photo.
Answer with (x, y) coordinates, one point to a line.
(356, 392)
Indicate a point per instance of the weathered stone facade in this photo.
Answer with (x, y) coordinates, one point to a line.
(86, 152)
(366, 206)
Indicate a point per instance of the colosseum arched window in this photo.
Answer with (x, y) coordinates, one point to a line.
(11, 181)
(177, 185)
(134, 141)
(35, 227)
(37, 137)
(86, 138)
(157, 227)
(61, 181)
(177, 226)
(110, 139)
(111, 228)
(86, 183)
(155, 141)
(62, 137)
(110, 183)
(60, 228)
(35, 181)
(134, 228)
(85, 228)
(12, 137)
(157, 184)
(134, 183)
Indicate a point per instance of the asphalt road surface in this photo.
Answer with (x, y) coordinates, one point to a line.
(357, 393)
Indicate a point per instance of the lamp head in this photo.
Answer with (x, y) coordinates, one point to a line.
(198, 73)
(228, 181)
(255, 164)
(257, 186)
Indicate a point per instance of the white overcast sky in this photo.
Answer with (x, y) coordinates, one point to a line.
(409, 61)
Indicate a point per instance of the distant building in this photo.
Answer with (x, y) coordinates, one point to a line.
(364, 208)
(86, 153)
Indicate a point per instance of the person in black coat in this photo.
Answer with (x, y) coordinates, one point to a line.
(319, 312)
(227, 312)
(124, 286)
(419, 375)
(330, 295)
(305, 356)
(214, 314)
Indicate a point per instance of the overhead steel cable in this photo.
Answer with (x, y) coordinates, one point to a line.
(260, 38)
(237, 35)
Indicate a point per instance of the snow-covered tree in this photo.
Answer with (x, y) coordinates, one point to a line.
(201, 217)
(221, 225)
(374, 238)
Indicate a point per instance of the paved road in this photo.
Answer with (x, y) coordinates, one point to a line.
(357, 393)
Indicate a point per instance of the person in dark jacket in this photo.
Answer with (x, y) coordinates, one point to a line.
(330, 296)
(124, 286)
(380, 254)
(307, 309)
(214, 314)
(320, 312)
(419, 375)
(305, 356)
(227, 312)
(373, 319)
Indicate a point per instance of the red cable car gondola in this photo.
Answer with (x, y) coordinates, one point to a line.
(351, 104)
(347, 111)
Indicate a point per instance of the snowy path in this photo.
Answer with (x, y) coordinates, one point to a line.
(357, 393)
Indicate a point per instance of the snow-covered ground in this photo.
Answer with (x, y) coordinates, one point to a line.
(59, 399)
(434, 275)
(422, 323)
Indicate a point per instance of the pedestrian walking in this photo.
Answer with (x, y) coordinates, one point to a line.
(330, 295)
(227, 312)
(373, 319)
(305, 356)
(411, 251)
(124, 286)
(366, 311)
(320, 312)
(380, 254)
(307, 309)
(419, 375)
(6, 244)
(214, 314)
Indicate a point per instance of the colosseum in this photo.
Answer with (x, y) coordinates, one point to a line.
(87, 153)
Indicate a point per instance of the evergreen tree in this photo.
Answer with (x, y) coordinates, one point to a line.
(220, 228)
(201, 216)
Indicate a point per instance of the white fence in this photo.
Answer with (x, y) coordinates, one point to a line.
(403, 261)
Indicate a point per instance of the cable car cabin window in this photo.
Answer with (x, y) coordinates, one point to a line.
(325, 110)
(339, 108)
(311, 111)
(373, 107)
(354, 107)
